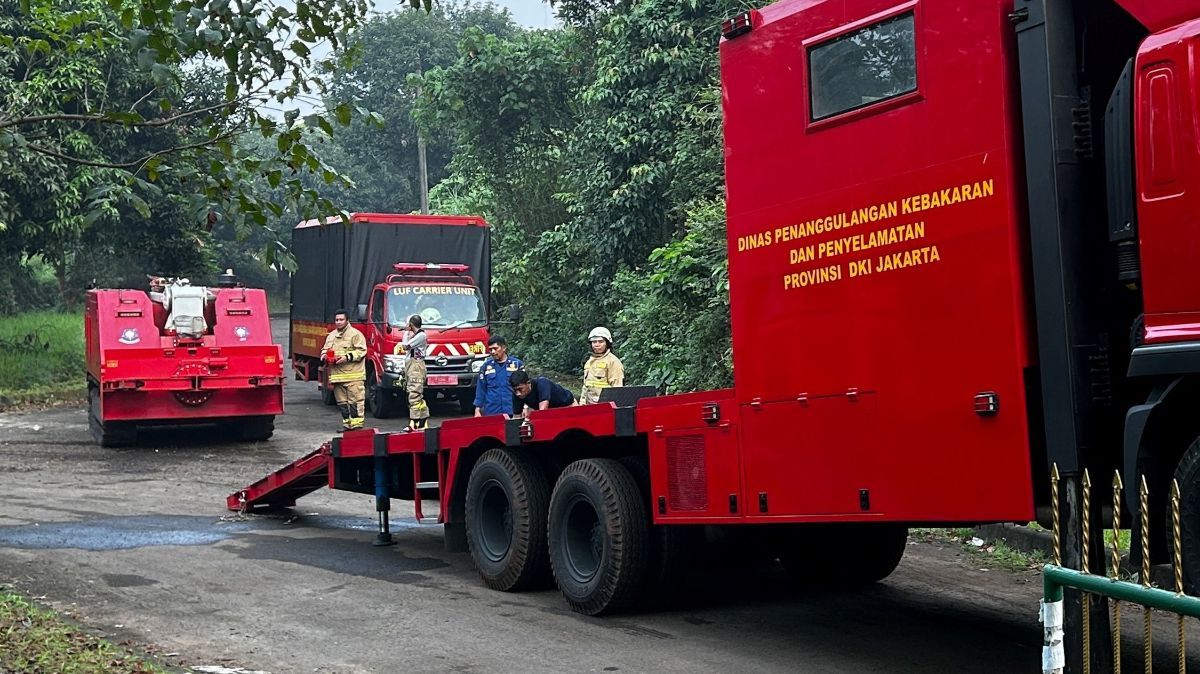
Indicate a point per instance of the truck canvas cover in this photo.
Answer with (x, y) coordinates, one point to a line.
(338, 264)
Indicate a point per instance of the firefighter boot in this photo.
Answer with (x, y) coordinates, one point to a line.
(356, 419)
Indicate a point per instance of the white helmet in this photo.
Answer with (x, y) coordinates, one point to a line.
(600, 333)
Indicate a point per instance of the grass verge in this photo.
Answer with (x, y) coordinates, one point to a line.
(34, 640)
(41, 359)
(984, 554)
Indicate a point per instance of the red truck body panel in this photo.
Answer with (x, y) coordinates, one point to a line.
(886, 244)
(1167, 142)
(145, 374)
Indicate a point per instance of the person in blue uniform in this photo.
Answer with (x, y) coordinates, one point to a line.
(493, 393)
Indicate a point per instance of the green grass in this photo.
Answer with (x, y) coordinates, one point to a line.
(991, 555)
(278, 303)
(1124, 535)
(36, 641)
(41, 358)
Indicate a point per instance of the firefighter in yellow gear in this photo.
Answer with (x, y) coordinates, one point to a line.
(413, 345)
(348, 370)
(602, 369)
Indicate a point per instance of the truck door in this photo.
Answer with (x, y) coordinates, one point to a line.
(377, 324)
(876, 266)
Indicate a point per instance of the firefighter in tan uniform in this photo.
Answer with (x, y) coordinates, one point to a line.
(603, 369)
(348, 349)
(413, 345)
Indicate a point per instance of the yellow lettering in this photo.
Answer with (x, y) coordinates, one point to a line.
(802, 254)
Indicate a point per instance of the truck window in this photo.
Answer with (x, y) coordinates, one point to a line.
(377, 307)
(870, 65)
(438, 306)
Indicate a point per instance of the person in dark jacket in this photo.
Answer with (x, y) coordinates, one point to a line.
(539, 393)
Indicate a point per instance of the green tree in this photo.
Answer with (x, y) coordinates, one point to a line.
(381, 159)
(80, 79)
(598, 149)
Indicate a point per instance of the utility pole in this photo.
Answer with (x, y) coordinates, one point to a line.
(422, 167)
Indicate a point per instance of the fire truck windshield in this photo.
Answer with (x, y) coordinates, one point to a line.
(437, 305)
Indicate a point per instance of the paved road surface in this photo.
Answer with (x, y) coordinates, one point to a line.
(132, 543)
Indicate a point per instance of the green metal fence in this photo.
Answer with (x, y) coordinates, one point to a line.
(1056, 577)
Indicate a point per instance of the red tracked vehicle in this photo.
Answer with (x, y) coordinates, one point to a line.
(181, 354)
(961, 237)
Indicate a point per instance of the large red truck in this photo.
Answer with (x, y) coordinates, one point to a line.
(181, 354)
(383, 268)
(974, 222)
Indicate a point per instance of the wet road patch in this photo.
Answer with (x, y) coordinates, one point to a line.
(123, 533)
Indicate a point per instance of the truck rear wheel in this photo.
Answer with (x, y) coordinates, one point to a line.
(597, 536)
(847, 554)
(381, 403)
(256, 429)
(1187, 473)
(507, 499)
(669, 548)
(466, 402)
(111, 434)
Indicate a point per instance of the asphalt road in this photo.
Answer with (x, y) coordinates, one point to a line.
(137, 545)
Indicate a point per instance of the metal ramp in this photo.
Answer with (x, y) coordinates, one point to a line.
(281, 488)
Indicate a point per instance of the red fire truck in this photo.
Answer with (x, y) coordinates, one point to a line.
(181, 354)
(383, 268)
(971, 224)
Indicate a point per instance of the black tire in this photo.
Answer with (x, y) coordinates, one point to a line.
(466, 402)
(669, 548)
(381, 403)
(597, 536)
(111, 434)
(508, 496)
(1187, 473)
(256, 429)
(845, 554)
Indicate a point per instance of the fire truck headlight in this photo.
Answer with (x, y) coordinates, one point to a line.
(476, 364)
(393, 364)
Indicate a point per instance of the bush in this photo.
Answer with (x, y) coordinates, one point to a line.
(27, 286)
(674, 330)
(41, 357)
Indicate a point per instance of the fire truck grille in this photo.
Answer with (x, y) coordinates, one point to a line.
(687, 477)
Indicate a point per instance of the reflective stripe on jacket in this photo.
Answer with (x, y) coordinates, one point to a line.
(351, 345)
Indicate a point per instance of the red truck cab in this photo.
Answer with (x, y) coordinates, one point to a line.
(455, 322)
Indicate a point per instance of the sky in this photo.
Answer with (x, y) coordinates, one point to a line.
(531, 13)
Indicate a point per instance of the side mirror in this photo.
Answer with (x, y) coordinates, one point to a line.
(361, 314)
(514, 313)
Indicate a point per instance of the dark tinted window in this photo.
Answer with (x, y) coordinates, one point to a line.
(871, 64)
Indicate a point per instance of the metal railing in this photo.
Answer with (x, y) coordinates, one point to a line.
(1056, 577)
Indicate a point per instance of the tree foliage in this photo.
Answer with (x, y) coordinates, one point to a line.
(597, 153)
(116, 107)
(381, 157)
